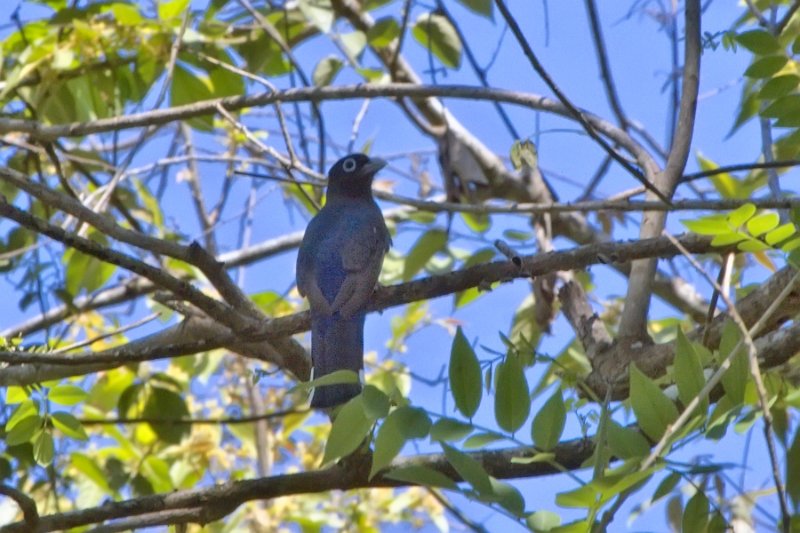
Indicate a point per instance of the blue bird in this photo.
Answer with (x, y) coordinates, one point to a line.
(337, 270)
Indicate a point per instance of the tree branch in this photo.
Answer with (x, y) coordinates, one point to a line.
(633, 323)
(215, 502)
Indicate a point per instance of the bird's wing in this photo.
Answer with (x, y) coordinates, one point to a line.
(362, 258)
(307, 283)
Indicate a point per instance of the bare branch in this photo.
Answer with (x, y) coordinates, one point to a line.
(213, 503)
(633, 324)
(575, 113)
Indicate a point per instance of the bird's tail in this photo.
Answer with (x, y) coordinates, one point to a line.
(336, 344)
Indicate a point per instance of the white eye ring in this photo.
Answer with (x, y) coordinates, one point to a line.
(349, 164)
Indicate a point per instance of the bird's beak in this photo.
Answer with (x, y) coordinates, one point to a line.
(374, 165)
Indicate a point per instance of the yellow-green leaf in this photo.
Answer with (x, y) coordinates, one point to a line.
(763, 223)
(741, 214)
(66, 394)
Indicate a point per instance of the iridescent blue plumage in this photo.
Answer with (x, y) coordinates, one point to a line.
(337, 269)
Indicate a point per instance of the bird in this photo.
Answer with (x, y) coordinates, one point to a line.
(338, 265)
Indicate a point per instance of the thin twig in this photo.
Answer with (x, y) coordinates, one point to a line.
(225, 421)
(576, 113)
(118, 331)
(755, 371)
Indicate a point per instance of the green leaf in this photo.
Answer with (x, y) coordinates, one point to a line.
(725, 239)
(741, 214)
(414, 422)
(791, 246)
(763, 223)
(779, 86)
(15, 394)
(376, 402)
(469, 469)
(507, 496)
(383, 32)
(165, 404)
(749, 107)
(436, 34)
(43, 448)
(484, 255)
(350, 427)
(326, 70)
(759, 42)
(517, 235)
(188, 87)
(752, 246)
(402, 424)
(388, 444)
(782, 107)
(765, 67)
(626, 443)
(780, 234)
(735, 378)
(465, 376)
(601, 490)
(63, 59)
(481, 440)
(653, 410)
(421, 475)
(126, 14)
(423, 250)
(793, 469)
(86, 272)
(512, 403)
(666, 486)
(334, 378)
(543, 521)
(172, 9)
(24, 430)
(353, 43)
(68, 425)
(710, 225)
(449, 430)
(318, 12)
(225, 83)
(548, 424)
(24, 410)
(695, 515)
(689, 372)
(481, 7)
(66, 395)
(88, 467)
(479, 223)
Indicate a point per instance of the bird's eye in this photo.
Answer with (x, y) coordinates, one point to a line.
(349, 164)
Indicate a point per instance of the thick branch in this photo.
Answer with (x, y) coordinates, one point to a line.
(633, 324)
(213, 335)
(390, 90)
(216, 502)
(181, 289)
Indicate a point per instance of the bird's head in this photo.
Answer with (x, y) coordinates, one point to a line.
(352, 175)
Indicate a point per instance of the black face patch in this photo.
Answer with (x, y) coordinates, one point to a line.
(349, 165)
